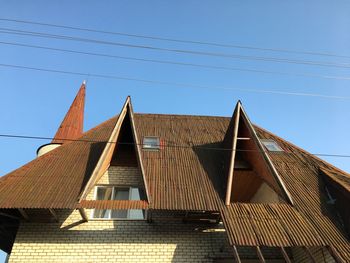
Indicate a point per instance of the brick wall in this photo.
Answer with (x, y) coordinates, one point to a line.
(167, 239)
(122, 175)
(119, 175)
(164, 240)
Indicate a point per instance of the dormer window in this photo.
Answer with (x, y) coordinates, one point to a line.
(117, 193)
(151, 143)
(271, 145)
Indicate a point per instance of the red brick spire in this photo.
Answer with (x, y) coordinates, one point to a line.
(72, 125)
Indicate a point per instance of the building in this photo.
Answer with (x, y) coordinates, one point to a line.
(173, 188)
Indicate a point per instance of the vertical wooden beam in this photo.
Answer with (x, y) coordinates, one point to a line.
(53, 213)
(149, 215)
(285, 255)
(138, 150)
(311, 257)
(233, 155)
(260, 255)
(334, 253)
(83, 214)
(236, 255)
(24, 214)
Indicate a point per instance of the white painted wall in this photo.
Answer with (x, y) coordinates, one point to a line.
(47, 148)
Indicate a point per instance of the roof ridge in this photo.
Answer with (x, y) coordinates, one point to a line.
(180, 115)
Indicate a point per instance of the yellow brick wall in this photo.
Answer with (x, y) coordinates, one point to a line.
(119, 175)
(163, 240)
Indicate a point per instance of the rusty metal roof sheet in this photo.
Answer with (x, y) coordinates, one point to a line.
(55, 179)
(72, 125)
(189, 177)
(268, 225)
(113, 204)
(187, 174)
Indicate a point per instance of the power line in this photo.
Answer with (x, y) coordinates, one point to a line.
(167, 145)
(174, 83)
(175, 40)
(178, 51)
(173, 62)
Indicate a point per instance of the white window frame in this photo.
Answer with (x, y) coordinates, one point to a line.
(110, 210)
(150, 147)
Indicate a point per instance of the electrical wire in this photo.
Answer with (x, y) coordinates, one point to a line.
(167, 145)
(179, 51)
(280, 50)
(184, 85)
(174, 63)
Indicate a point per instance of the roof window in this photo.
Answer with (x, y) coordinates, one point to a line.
(271, 145)
(151, 143)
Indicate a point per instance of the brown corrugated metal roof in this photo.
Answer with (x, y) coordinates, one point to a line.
(113, 204)
(268, 225)
(55, 179)
(183, 178)
(300, 172)
(72, 125)
(189, 178)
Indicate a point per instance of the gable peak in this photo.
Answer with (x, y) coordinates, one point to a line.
(248, 166)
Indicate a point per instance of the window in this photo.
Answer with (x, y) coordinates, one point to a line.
(151, 143)
(271, 145)
(117, 193)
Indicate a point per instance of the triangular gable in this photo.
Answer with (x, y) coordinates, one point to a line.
(248, 152)
(112, 147)
(337, 179)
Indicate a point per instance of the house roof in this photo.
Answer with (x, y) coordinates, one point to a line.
(187, 174)
(55, 179)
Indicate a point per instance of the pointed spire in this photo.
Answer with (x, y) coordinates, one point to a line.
(72, 125)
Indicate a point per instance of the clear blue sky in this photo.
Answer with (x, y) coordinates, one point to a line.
(34, 103)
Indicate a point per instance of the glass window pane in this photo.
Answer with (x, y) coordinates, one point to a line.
(151, 142)
(136, 214)
(271, 145)
(119, 213)
(121, 194)
(101, 213)
(104, 193)
(135, 194)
